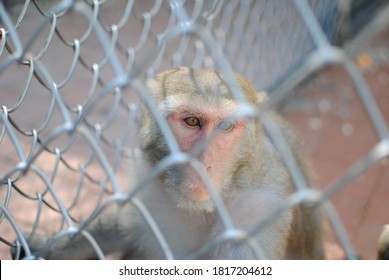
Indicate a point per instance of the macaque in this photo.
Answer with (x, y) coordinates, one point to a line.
(243, 168)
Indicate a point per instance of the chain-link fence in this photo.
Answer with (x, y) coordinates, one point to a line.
(70, 87)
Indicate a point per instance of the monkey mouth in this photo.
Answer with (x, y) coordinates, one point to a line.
(198, 192)
(195, 188)
(187, 187)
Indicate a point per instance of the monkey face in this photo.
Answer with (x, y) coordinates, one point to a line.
(201, 113)
(211, 136)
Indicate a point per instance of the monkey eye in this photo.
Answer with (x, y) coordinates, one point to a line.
(192, 121)
(225, 125)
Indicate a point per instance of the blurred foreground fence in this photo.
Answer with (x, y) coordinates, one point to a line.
(69, 88)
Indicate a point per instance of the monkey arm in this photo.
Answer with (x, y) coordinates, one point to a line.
(108, 232)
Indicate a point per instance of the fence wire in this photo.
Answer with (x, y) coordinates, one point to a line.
(73, 77)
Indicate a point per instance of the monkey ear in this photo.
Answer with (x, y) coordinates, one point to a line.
(383, 244)
(152, 85)
(154, 88)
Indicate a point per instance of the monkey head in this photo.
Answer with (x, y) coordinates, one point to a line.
(201, 113)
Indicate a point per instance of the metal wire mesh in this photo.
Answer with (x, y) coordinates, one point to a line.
(73, 73)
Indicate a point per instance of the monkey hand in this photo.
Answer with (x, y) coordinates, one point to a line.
(35, 245)
(43, 247)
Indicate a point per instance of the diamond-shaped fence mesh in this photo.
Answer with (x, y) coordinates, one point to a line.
(72, 77)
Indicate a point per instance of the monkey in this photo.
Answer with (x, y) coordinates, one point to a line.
(383, 244)
(242, 166)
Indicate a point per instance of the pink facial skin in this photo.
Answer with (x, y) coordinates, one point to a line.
(223, 136)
